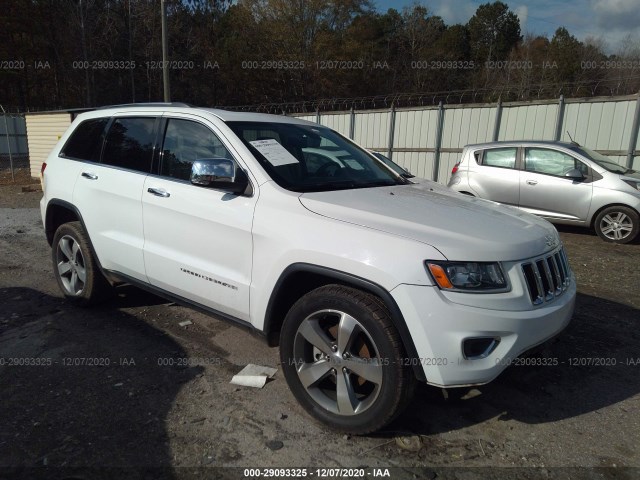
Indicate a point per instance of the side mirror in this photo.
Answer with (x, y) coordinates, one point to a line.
(220, 173)
(574, 174)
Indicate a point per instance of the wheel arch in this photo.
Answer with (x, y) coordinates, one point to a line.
(59, 212)
(299, 279)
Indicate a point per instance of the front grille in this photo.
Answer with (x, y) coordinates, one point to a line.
(547, 277)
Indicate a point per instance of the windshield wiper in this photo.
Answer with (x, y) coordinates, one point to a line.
(318, 187)
(344, 185)
(383, 183)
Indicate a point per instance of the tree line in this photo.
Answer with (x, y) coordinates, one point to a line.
(85, 53)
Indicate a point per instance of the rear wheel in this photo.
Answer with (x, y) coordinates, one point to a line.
(75, 269)
(343, 359)
(617, 224)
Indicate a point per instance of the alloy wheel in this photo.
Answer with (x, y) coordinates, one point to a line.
(71, 265)
(337, 362)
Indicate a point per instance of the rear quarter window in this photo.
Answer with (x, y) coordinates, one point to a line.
(500, 157)
(85, 143)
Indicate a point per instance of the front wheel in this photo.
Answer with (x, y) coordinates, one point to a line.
(75, 269)
(343, 359)
(617, 224)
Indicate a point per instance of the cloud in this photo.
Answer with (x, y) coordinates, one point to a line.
(611, 21)
(617, 14)
(454, 11)
(522, 12)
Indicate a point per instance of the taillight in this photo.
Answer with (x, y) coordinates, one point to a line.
(44, 165)
(455, 168)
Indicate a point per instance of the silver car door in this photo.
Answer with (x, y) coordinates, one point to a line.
(494, 175)
(546, 191)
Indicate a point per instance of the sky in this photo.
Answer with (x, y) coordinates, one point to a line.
(612, 21)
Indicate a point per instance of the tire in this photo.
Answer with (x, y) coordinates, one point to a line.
(318, 362)
(75, 268)
(617, 224)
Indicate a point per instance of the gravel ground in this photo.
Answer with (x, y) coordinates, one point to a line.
(132, 416)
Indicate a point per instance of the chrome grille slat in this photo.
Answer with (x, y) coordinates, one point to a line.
(547, 277)
(563, 271)
(565, 264)
(539, 287)
(550, 293)
(556, 273)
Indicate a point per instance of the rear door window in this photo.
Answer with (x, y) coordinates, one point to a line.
(85, 143)
(129, 143)
(500, 157)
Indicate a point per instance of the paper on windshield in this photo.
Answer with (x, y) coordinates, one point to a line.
(275, 153)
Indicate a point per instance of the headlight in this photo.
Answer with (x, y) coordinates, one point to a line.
(468, 276)
(633, 184)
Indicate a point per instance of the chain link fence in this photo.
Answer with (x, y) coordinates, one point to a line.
(14, 153)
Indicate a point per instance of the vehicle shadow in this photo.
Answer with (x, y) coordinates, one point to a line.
(589, 232)
(128, 296)
(84, 391)
(597, 366)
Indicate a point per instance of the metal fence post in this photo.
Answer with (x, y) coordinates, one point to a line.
(559, 119)
(496, 125)
(352, 122)
(392, 127)
(439, 129)
(634, 134)
(6, 132)
(318, 116)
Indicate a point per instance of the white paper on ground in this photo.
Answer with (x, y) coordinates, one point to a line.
(275, 153)
(253, 376)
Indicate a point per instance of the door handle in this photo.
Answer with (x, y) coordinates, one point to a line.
(159, 192)
(532, 182)
(90, 176)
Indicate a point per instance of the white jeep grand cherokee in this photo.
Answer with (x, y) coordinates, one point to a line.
(364, 279)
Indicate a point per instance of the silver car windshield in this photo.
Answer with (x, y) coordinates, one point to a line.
(604, 162)
(306, 158)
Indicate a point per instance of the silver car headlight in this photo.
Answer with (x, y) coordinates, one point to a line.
(472, 277)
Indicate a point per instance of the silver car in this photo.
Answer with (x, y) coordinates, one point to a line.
(562, 182)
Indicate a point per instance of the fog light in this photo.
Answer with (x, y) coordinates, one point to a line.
(479, 347)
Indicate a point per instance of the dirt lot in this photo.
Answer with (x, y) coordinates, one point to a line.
(183, 421)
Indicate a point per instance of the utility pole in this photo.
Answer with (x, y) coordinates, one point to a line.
(165, 53)
(131, 77)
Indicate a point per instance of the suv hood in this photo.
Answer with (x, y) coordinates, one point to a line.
(459, 226)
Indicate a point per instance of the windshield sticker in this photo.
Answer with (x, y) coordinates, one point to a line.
(275, 153)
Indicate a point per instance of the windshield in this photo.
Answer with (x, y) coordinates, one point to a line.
(306, 158)
(604, 162)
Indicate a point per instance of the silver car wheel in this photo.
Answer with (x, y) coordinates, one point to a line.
(616, 226)
(71, 265)
(337, 362)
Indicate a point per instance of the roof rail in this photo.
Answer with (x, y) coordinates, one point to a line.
(147, 104)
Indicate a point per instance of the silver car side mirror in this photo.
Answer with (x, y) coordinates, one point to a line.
(575, 174)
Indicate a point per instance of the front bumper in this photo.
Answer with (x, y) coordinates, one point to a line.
(439, 327)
